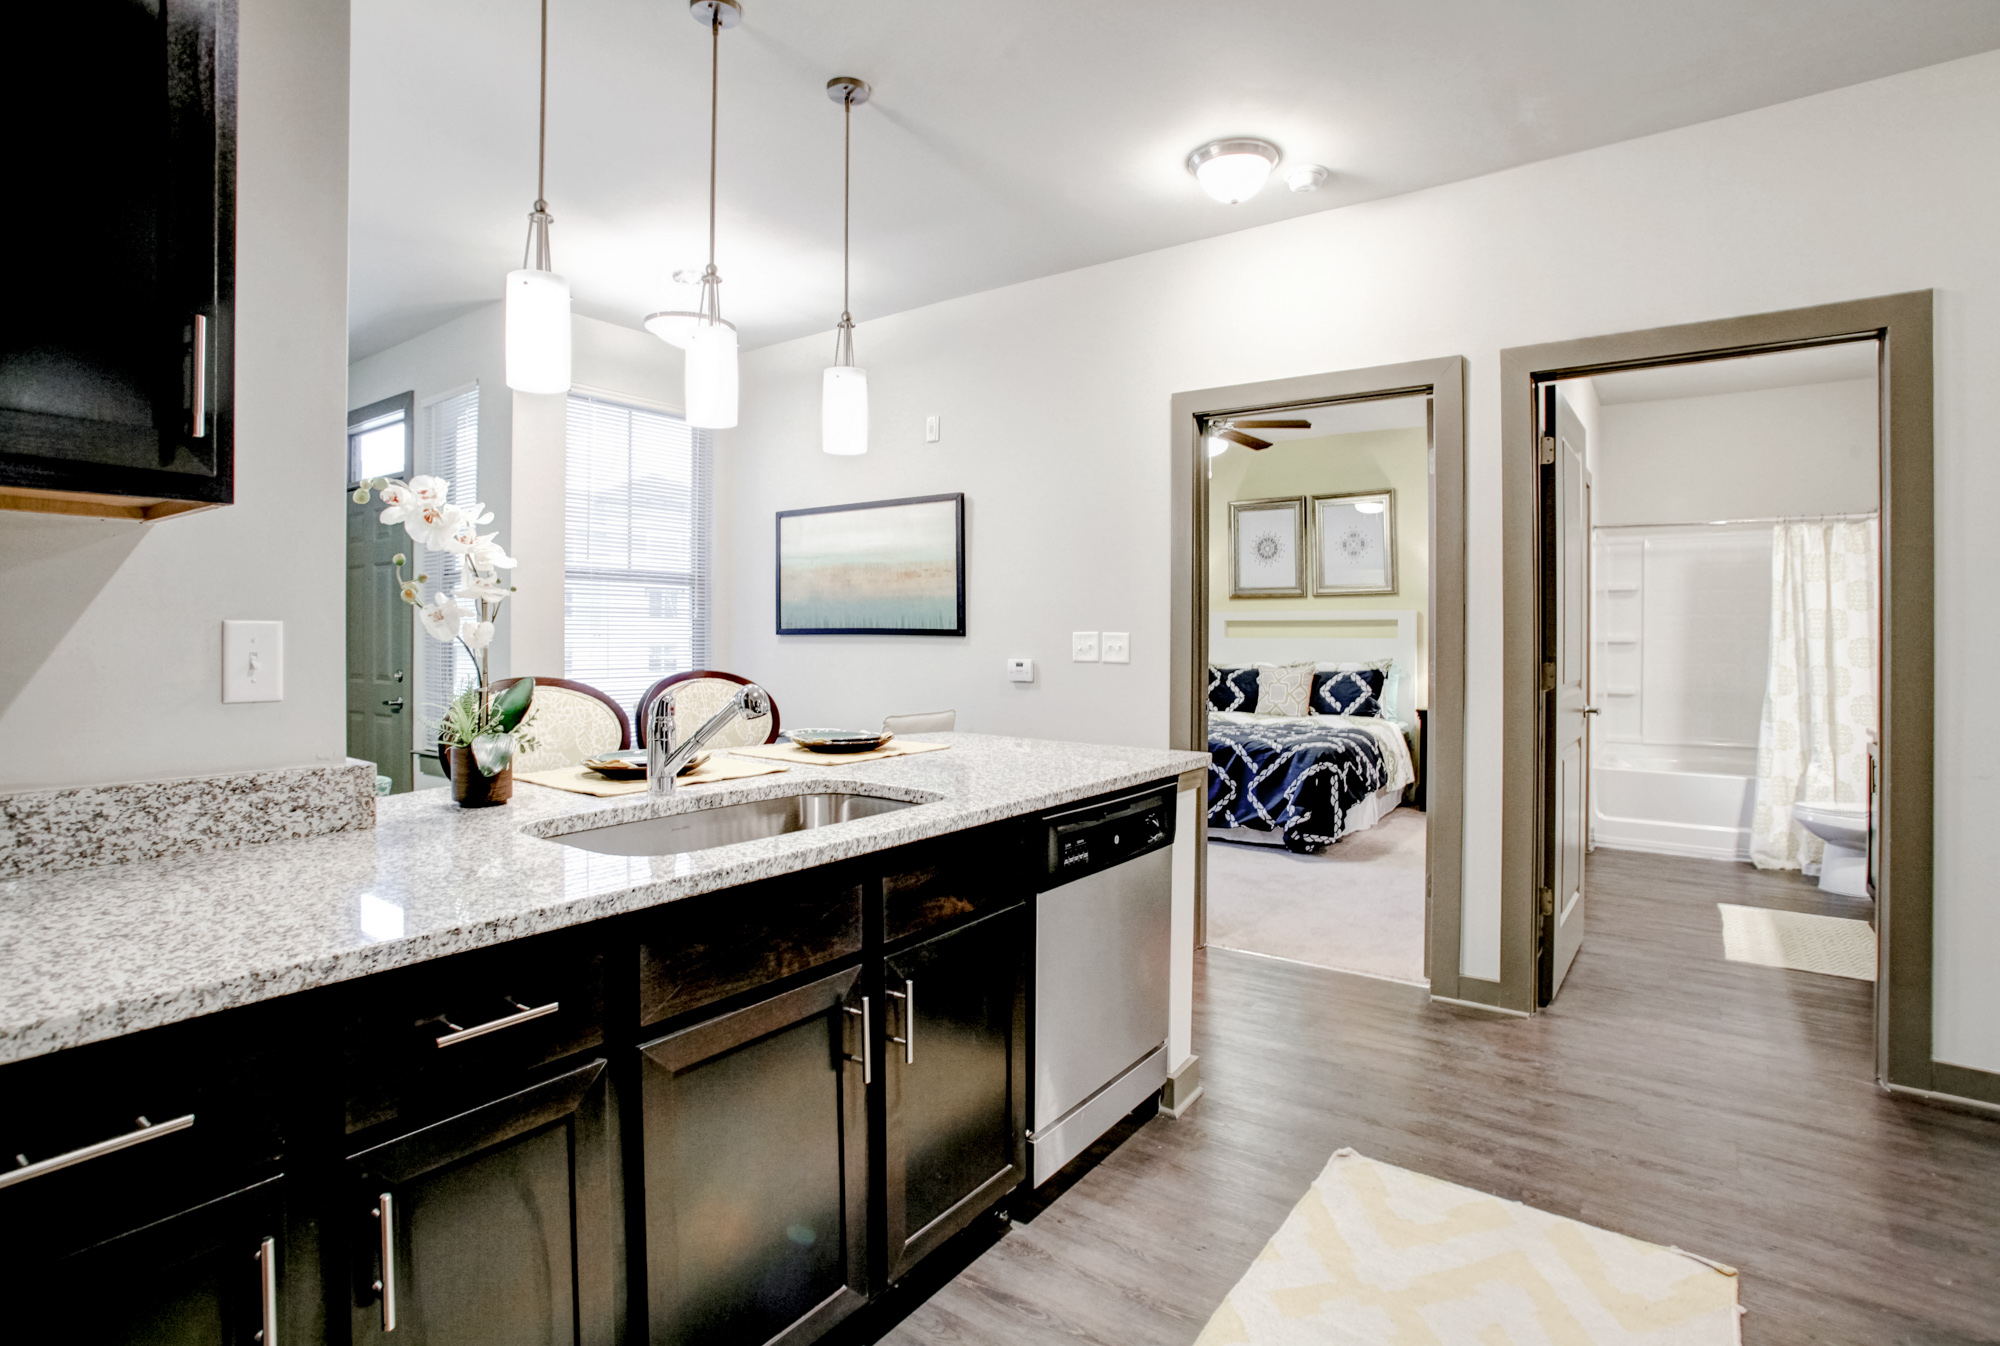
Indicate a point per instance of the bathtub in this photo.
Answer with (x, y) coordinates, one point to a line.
(1674, 800)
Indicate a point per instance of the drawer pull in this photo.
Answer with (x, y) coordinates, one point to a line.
(908, 995)
(147, 1131)
(200, 417)
(385, 1212)
(867, 1057)
(457, 1034)
(267, 1276)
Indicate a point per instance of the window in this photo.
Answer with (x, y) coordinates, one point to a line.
(635, 578)
(451, 451)
(378, 440)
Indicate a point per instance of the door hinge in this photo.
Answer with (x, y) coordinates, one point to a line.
(1548, 449)
(1548, 901)
(1548, 677)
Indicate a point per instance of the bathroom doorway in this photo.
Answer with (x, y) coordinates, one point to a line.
(1725, 532)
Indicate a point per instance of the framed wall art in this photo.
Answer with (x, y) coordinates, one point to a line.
(1354, 544)
(882, 567)
(1267, 548)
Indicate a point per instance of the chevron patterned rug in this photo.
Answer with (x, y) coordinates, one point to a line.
(1378, 1254)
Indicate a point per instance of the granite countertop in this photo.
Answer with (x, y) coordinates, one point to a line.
(89, 954)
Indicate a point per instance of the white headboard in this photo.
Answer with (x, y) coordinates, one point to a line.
(1287, 641)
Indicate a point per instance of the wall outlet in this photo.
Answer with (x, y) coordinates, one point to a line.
(1020, 670)
(1083, 647)
(930, 429)
(253, 661)
(1116, 647)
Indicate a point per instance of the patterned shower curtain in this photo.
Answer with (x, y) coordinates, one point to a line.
(1819, 699)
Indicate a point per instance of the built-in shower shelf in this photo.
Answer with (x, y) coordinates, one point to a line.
(1621, 691)
(1621, 640)
(1621, 588)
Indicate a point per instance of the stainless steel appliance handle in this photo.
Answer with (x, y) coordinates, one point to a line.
(908, 995)
(200, 376)
(385, 1212)
(85, 1153)
(267, 1274)
(458, 1035)
(867, 1057)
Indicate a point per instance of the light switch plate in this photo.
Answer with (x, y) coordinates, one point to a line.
(1020, 670)
(1116, 647)
(930, 429)
(253, 661)
(1083, 647)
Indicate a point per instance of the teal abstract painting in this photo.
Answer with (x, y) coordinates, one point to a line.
(883, 567)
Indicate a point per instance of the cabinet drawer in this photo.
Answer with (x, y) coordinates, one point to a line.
(703, 949)
(952, 879)
(425, 1038)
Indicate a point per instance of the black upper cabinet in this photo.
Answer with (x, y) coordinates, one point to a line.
(116, 344)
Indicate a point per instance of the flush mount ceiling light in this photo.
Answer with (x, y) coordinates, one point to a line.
(1233, 171)
(537, 298)
(710, 342)
(843, 405)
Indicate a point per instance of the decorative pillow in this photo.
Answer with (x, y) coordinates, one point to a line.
(1232, 689)
(1391, 675)
(1355, 692)
(1284, 689)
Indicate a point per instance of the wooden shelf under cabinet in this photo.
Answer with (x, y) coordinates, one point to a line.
(146, 509)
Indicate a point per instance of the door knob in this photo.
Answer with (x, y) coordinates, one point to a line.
(1592, 710)
(395, 706)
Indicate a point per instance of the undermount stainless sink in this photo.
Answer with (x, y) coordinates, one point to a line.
(729, 824)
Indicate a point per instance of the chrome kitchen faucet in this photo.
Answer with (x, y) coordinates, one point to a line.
(665, 756)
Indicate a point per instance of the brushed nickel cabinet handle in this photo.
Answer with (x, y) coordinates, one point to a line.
(83, 1154)
(200, 376)
(867, 1057)
(267, 1275)
(385, 1213)
(458, 1035)
(908, 995)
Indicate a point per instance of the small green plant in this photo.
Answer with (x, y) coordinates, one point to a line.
(471, 716)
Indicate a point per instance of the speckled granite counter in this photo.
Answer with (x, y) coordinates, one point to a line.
(89, 954)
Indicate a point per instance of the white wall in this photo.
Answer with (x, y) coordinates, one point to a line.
(111, 632)
(1811, 449)
(1055, 398)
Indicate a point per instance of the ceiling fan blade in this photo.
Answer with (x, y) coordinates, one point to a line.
(1247, 441)
(1273, 425)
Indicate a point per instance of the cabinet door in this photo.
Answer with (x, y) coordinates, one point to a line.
(197, 1278)
(491, 1228)
(755, 1136)
(955, 1072)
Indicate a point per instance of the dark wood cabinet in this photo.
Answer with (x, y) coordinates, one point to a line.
(495, 1227)
(756, 1169)
(116, 346)
(955, 1081)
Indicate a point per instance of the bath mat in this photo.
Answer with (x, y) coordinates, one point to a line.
(1377, 1254)
(1833, 945)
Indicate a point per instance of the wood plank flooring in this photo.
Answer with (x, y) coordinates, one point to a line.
(1724, 1108)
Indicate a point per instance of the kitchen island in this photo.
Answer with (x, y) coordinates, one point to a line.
(453, 1077)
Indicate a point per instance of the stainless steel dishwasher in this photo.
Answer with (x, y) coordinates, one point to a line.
(1102, 934)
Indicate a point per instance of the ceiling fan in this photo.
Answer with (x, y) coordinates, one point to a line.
(1233, 431)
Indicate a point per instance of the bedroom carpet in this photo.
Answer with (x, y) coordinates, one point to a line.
(1357, 906)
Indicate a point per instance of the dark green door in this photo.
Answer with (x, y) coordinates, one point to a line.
(381, 699)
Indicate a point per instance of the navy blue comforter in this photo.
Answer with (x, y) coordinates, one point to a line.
(1300, 779)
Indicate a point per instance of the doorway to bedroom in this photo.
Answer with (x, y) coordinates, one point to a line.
(1318, 576)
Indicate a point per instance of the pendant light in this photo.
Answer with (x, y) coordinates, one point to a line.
(710, 342)
(843, 397)
(537, 298)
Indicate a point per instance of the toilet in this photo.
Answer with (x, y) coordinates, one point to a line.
(1844, 829)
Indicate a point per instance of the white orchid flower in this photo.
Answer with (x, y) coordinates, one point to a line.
(477, 635)
(434, 524)
(442, 617)
(483, 585)
(486, 553)
(400, 500)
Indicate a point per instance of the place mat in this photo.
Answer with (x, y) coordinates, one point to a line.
(791, 752)
(579, 781)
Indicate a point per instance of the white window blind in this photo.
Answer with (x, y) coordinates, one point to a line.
(638, 516)
(451, 451)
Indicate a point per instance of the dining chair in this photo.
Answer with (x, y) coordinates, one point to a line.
(570, 723)
(697, 696)
(924, 722)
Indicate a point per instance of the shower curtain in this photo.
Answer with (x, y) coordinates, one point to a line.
(1819, 698)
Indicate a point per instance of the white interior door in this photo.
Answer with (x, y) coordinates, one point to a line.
(1566, 680)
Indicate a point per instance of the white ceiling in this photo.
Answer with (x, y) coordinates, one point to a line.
(1006, 140)
(1740, 374)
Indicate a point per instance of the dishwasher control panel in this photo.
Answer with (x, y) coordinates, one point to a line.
(1098, 836)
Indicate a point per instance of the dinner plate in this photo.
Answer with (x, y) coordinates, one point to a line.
(839, 740)
(632, 765)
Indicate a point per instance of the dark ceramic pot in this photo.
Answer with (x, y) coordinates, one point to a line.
(469, 787)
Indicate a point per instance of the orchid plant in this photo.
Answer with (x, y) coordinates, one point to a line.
(477, 718)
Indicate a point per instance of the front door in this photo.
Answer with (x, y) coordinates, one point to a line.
(1565, 683)
(380, 698)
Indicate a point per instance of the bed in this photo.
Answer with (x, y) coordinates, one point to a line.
(1304, 782)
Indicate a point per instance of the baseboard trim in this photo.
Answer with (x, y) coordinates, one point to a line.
(1183, 1089)
(1480, 1005)
(1967, 1082)
(1941, 1100)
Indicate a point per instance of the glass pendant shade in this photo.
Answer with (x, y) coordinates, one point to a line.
(676, 327)
(711, 377)
(843, 410)
(538, 356)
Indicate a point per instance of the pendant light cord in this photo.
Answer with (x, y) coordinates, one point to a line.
(846, 195)
(542, 152)
(714, 104)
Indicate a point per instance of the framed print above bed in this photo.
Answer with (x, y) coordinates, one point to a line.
(1354, 543)
(1267, 548)
(879, 568)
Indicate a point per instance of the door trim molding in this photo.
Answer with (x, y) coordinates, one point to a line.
(1903, 325)
(1443, 380)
